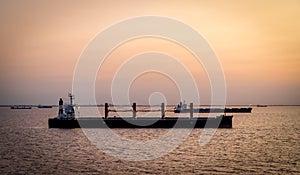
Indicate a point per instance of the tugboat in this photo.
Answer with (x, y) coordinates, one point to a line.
(182, 108)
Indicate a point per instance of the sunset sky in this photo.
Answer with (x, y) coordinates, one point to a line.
(257, 42)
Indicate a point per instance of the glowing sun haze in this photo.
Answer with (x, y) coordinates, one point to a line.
(257, 42)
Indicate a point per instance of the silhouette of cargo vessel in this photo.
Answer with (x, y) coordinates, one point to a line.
(66, 119)
(182, 108)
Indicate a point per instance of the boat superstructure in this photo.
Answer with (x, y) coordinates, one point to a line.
(67, 113)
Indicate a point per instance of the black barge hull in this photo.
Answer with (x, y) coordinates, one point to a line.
(118, 122)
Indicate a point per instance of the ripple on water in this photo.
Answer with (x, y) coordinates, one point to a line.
(265, 141)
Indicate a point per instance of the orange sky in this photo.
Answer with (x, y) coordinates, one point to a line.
(257, 42)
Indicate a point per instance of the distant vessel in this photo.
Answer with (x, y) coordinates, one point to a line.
(66, 119)
(262, 106)
(44, 106)
(20, 107)
(182, 108)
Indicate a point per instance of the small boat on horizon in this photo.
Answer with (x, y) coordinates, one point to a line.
(20, 107)
(44, 106)
(261, 106)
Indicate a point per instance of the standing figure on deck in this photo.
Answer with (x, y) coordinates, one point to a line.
(60, 109)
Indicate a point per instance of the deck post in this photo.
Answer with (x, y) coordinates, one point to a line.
(134, 110)
(191, 110)
(106, 110)
(163, 110)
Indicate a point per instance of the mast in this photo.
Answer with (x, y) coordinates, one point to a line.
(71, 98)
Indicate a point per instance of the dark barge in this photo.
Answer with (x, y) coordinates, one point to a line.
(167, 122)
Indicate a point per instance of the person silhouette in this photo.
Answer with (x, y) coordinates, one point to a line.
(60, 103)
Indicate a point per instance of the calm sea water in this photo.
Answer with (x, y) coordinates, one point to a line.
(267, 141)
